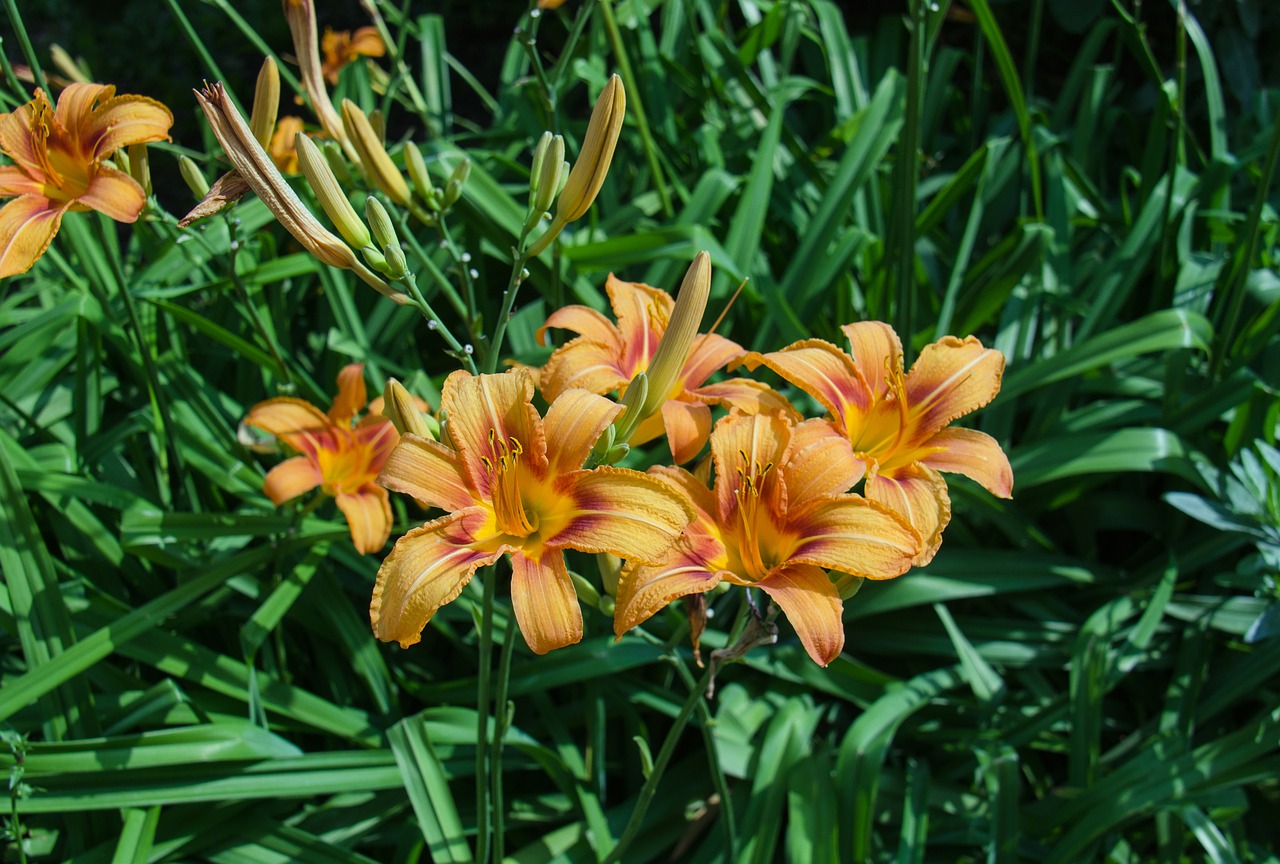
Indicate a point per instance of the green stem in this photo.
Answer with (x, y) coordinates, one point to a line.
(518, 275)
(198, 44)
(450, 292)
(637, 102)
(482, 716)
(650, 787)
(24, 42)
(903, 229)
(435, 323)
(501, 719)
(258, 324)
(468, 287)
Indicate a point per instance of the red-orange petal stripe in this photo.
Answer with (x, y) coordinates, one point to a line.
(27, 227)
(853, 535)
(974, 454)
(428, 568)
(582, 363)
(949, 379)
(624, 512)
(918, 494)
(573, 423)
(687, 425)
(485, 413)
(824, 372)
(584, 321)
(643, 590)
(709, 354)
(754, 445)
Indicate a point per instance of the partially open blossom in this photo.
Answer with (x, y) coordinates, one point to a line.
(59, 164)
(605, 357)
(898, 424)
(282, 149)
(511, 482)
(776, 519)
(336, 452)
(342, 47)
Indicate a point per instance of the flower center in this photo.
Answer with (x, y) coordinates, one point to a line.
(504, 486)
(878, 433)
(750, 517)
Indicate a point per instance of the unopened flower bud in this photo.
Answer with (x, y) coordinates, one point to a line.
(462, 173)
(373, 154)
(452, 192)
(668, 361)
(379, 123)
(266, 102)
(193, 177)
(553, 168)
(592, 165)
(140, 166)
(67, 65)
(398, 407)
(586, 592)
(337, 162)
(539, 153)
(334, 201)
(397, 265)
(417, 170)
(377, 261)
(384, 230)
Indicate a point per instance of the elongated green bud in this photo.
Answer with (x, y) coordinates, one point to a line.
(140, 166)
(553, 168)
(266, 102)
(193, 177)
(334, 201)
(418, 171)
(539, 153)
(384, 230)
(398, 407)
(373, 154)
(334, 155)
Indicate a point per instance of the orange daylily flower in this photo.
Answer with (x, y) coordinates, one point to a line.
(898, 424)
(282, 149)
(342, 47)
(511, 482)
(605, 357)
(59, 164)
(340, 457)
(776, 519)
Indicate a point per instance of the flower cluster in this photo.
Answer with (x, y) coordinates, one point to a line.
(780, 514)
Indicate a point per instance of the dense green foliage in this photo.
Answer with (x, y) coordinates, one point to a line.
(1085, 672)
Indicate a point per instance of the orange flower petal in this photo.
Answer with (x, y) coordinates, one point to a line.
(918, 494)
(748, 444)
(485, 412)
(687, 425)
(643, 590)
(296, 422)
(584, 321)
(710, 353)
(368, 514)
(853, 535)
(821, 462)
(115, 194)
(583, 363)
(877, 351)
(544, 601)
(824, 372)
(75, 108)
(573, 423)
(428, 471)
(352, 395)
(974, 454)
(14, 181)
(123, 120)
(27, 226)
(621, 511)
(642, 312)
(749, 397)
(367, 42)
(949, 379)
(16, 139)
(291, 478)
(428, 567)
(812, 605)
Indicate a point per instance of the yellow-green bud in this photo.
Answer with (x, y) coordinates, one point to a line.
(418, 170)
(398, 407)
(586, 592)
(379, 123)
(384, 230)
(140, 166)
(452, 192)
(396, 261)
(462, 172)
(373, 154)
(539, 153)
(334, 201)
(193, 177)
(377, 261)
(266, 102)
(337, 160)
(552, 169)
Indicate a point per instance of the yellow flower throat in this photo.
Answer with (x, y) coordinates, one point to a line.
(750, 484)
(504, 487)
